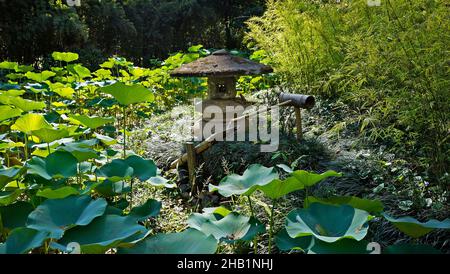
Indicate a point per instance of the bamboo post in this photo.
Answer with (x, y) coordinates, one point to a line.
(298, 122)
(191, 161)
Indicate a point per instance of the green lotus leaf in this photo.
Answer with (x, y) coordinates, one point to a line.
(142, 169)
(229, 228)
(127, 95)
(24, 68)
(161, 182)
(256, 175)
(284, 242)
(59, 215)
(30, 122)
(91, 122)
(221, 211)
(103, 233)
(110, 188)
(411, 249)
(51, 167)
(115, 171)
(8, 65)
(10, 144)
(151, 208)
(131, 241)
(328, 223)
(190, 241)
(7, 112)
(278, 188)
(102, 73)
(309, 179)
(299, 180)
(58, 193)
(12, 92)
(112, 210)
(64, 56)
(256, 227)
(80, 150)
(15, 215)
(8, 175)
(26, 105)
(62, 90)
(22, 240)
(285, 168)
(49, 135)
(66, 92)
(343, 246)
(82, 71)
(40, 77)
(9, 197)
(106, 140)
(371, 206)
(414, 228)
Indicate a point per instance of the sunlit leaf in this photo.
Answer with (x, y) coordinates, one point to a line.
(309, 179)
(49, 135)
(91, 122)
(7, 112)
(30, 122)
(127, 95)
(40, 77)
(58, 193)
(254, 176)
(65, 56)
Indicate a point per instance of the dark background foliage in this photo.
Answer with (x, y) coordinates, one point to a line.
(139, 30)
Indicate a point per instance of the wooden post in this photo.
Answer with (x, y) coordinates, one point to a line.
(298, 123)
(191, 161)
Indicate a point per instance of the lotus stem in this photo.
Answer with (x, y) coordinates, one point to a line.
(131, 194)
(255, 240)
(25, 150)
(1, 226)
(124, 134)
(271, 226)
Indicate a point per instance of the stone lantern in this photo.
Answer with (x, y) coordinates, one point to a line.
(222, 70)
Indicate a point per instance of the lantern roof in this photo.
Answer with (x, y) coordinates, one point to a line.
(221, 64)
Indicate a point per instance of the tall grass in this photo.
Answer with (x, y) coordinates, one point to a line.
(390, 63)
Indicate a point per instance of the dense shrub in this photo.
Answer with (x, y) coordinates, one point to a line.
(389, 63)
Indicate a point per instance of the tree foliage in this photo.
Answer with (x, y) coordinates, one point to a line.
(139, 30)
